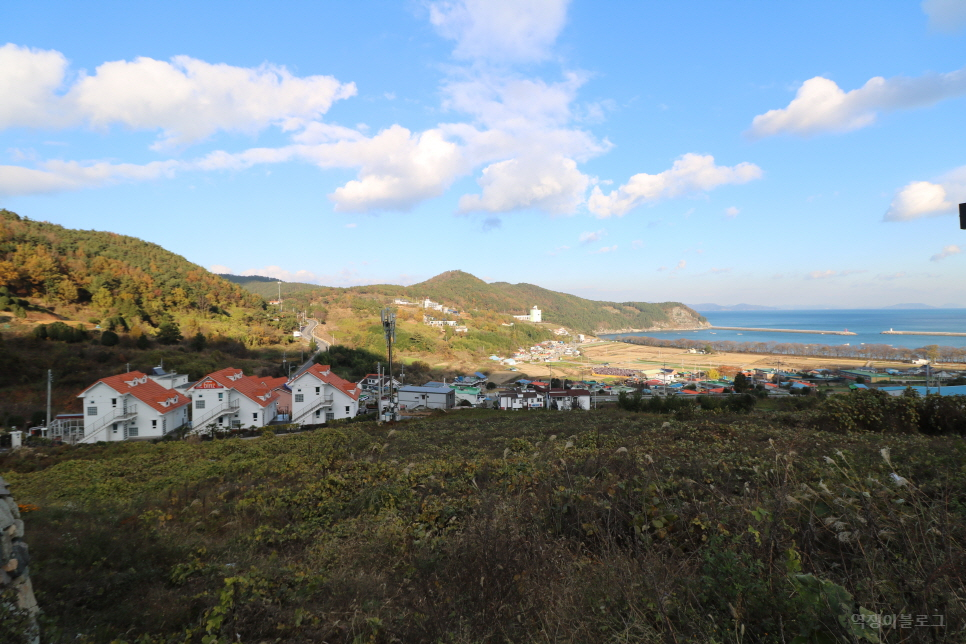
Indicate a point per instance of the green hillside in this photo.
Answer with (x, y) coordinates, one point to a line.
(114, 274)
(469, 293)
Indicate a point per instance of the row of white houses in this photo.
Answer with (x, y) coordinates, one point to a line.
(136, 405)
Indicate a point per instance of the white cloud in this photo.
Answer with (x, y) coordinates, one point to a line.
(218, 268)
(821, 275)
(282, 274)
(500, 30)
(945, 15)
(60, 176)
(820, 105)
(187, 99)
(947, 251)
(682, 264)
(351, 225)
(398, 169)
(691, 173)
(732, 212)
(606, 249)
(925, 198)
(553, 185)
(637, 244)
(28, 80)
(190, 99)
(558, 250)
(591, 236)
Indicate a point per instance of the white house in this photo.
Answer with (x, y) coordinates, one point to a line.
(371, 382)
(130, 406)
(536, 315)
(524, 400)
(567, 399)
(410, 396)
(228, 398)
(318, 396)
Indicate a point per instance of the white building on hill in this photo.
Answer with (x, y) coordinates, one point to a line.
(228, 398)
(130, 406)
(318, 396)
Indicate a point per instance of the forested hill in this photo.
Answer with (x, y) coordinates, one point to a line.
(570, 311)
(467, 292)
(110, 271)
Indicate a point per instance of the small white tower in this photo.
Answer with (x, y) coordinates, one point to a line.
(536, 315)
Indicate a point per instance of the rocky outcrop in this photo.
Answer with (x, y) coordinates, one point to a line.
(21, 611)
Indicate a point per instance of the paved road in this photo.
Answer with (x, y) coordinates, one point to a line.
(322, 345)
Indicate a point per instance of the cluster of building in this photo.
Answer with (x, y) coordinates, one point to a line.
(138, 405)
(464, 390)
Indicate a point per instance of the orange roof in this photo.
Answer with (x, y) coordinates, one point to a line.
(137, 384)
(324, 373)
(258, 390)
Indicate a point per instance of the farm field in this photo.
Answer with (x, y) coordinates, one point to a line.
(482, 526)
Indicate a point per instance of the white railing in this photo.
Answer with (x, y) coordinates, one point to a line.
(228, 407)
(117, 416)
(323, 401)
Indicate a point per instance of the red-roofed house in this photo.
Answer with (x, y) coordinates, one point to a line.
(131, 406)
(318, 395)
(229, 398)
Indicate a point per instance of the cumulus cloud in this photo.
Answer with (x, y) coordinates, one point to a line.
(732, 212)
(691, 173)
(187, 99)
(28, 80)
(606, 249)
(219, 268)
(925, 198)
(820, 105)
(947, 251)
(500, 30)
(591, 236)
(558, 250)
(553, 185)
(637, 244)
(945, 15)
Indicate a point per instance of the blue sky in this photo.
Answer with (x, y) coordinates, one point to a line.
(771, 153)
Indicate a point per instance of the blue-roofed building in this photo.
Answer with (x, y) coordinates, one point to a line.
(957, 390)
(410, 396)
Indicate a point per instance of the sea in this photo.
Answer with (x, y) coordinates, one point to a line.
(867, 324)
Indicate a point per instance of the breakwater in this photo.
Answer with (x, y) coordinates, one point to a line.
(947, 333)
(757, 330)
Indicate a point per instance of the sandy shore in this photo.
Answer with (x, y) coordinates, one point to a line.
(631, 356)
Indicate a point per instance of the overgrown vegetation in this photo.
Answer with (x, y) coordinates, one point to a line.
(483, 526)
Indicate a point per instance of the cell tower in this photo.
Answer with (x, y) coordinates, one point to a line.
(389, 328)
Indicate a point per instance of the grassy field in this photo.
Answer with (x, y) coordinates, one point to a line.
(482, 526)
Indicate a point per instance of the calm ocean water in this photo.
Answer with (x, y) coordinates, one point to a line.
(868, 324)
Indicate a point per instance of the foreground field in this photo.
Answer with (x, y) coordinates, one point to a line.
(483, 526)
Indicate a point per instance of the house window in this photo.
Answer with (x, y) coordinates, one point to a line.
(299, 397)
(317, 390)
(115, 428)
(329, 416)
(318, 413)
(113, 402)
(154, 424)
(199, 404)
(92, 411)
(132, 431)
(255, 416)
(221, 396)
(347, 409)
